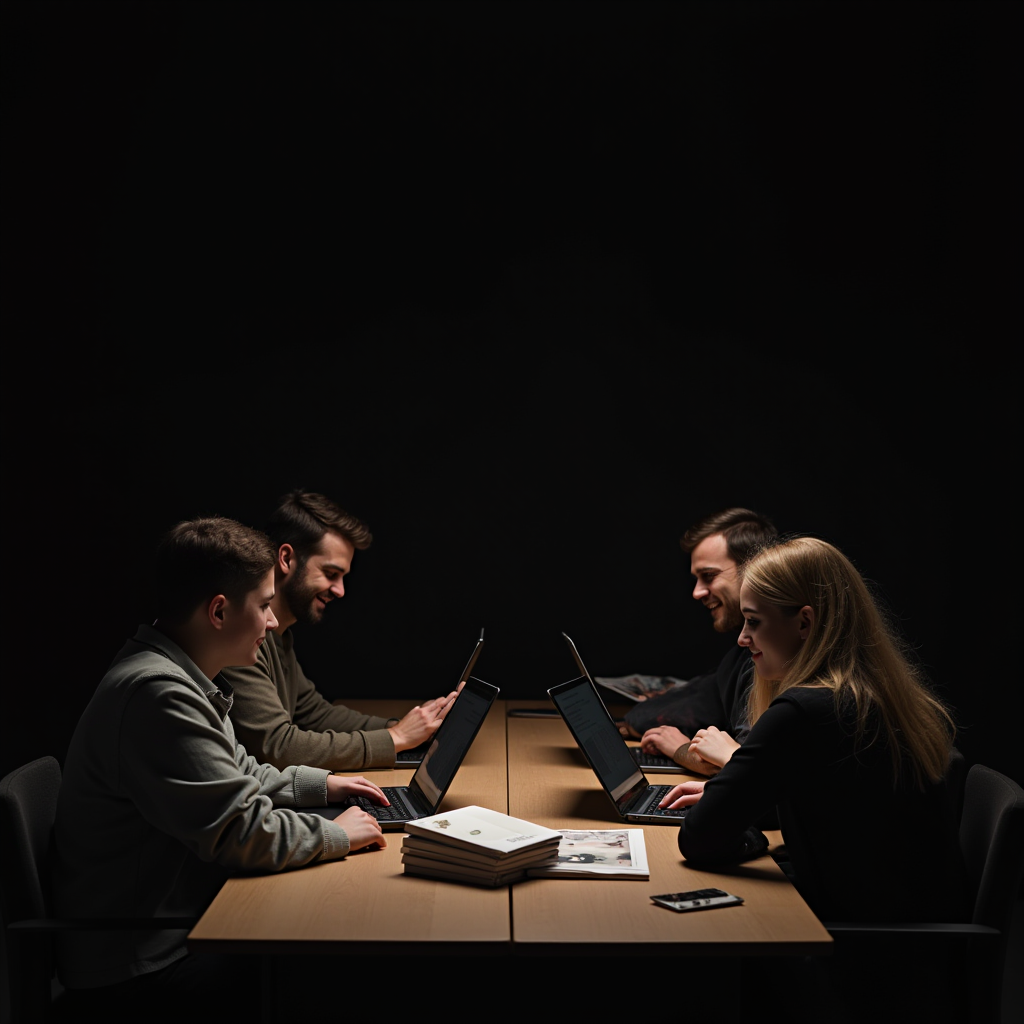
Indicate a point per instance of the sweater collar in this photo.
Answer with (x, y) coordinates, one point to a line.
(218, 691)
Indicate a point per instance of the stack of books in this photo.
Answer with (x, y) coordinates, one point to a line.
(477, 845)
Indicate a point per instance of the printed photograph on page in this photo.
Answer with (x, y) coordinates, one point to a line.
(604, 847)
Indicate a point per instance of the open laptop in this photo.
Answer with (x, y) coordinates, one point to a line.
(448, 749)
(411, 758)
(645, 761)
(634, 798)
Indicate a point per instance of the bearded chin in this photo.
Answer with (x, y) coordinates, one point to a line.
(309, 613)
(729, 623)
(302, 602)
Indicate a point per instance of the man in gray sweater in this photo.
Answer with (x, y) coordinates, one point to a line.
(159, 803)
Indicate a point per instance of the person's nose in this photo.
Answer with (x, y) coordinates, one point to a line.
(700, 591)
(743, 640)
(271, 620)
(337, 589)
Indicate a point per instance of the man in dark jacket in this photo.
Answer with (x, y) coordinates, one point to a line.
(717, 545)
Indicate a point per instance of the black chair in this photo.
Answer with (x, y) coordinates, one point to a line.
(992, 842)
(28, 804)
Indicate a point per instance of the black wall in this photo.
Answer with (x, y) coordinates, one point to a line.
(529, 288)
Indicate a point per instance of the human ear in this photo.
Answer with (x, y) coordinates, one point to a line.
(806, 620)
(215, 611)
(285, 559)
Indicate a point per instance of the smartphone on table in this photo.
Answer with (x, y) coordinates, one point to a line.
(697, 899)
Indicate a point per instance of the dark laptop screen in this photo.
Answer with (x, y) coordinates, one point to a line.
(452, 741)
(596, 735)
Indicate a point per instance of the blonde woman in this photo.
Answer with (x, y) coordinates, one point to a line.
(847, 742)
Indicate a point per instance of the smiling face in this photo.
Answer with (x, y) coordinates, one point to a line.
(310, 589)
(717, 584)
(772, 634)
(246, 624)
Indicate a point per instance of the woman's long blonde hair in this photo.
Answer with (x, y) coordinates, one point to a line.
(852, 650)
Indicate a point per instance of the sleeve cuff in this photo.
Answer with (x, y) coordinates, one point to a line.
(336, 844)
(310, 786)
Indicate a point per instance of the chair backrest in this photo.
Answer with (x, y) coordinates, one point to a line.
(29, 985)
(28, 805)
(954, 967)
(992, 841)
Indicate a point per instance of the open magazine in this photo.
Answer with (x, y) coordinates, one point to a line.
(637, 687)
(597, 853)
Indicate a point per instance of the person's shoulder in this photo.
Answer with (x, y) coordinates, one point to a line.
(811, 700)
(152, 661)
(146, 675)
(794, 712)
(138, 659)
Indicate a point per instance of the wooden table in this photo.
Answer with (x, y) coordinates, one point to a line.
(345, 915)
(365, 902)
(550, 782)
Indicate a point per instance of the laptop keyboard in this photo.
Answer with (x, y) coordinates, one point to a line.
(670, 812)
(653, 761)
(657, 794)
(414, 754)
(397, 811)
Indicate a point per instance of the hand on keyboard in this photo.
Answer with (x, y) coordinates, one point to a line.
(686, 794)
(362, 829)
(394, 810)
(341, 787)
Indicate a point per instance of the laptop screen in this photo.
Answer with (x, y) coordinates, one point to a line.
(452, 741)
(596, 735)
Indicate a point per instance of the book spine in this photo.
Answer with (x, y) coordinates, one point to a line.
(486, 878)
(449, 855)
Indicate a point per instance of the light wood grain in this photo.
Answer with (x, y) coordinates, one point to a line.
(532, 769)
(366, 901)
(551, 783)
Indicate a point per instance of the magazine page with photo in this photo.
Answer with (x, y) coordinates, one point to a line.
(597, 853)
(637, 687)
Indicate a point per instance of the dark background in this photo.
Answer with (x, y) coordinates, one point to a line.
(529, 288)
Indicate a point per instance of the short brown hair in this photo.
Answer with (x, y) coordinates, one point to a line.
(745, 532)
(200, 558)
(303, 517)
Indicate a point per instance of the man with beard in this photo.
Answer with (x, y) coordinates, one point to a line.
(279, 715)
(717, 545)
